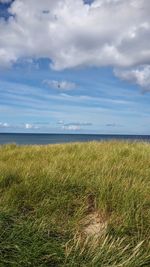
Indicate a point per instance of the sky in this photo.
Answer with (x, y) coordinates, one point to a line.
(75, 66)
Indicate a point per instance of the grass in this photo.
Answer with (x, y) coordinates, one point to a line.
(46, 191)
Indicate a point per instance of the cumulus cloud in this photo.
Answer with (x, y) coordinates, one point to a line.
(71, 33)
(4, 125)
(60, 85)
(29, 126)
(139, 75)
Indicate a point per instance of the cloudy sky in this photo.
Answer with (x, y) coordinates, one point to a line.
(75, 66)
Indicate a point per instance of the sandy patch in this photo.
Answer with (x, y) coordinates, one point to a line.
(94, 224)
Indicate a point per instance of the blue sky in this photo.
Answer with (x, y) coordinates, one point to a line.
(62, 85)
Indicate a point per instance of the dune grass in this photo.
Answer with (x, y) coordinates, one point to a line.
(45, 193)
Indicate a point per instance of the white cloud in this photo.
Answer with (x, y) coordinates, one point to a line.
(60, 85)
(138, 75)
(74, 126)
(71, 33)
(4, 125)
(30, 126)
(71, 127)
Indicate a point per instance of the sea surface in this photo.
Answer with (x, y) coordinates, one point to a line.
(43, 139)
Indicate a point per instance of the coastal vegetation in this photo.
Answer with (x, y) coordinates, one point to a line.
(79, 204)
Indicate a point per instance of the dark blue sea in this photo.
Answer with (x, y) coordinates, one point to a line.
(43, 139)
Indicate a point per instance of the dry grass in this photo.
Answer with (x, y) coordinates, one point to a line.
(47, 191)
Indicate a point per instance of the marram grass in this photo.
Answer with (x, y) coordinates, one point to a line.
(47, 191)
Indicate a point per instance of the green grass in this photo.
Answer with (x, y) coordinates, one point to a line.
(44, 196)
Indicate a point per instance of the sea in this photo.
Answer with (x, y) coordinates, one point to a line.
(43, 139)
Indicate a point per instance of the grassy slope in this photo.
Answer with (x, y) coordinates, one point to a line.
(44, 192)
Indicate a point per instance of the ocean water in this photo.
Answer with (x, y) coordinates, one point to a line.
(43, 139)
